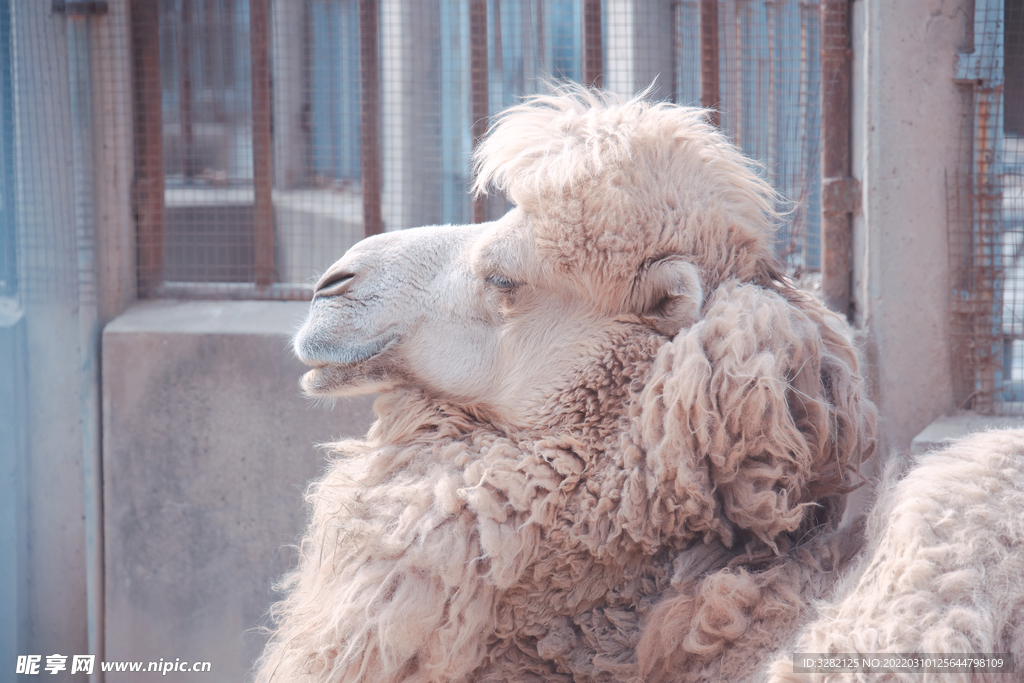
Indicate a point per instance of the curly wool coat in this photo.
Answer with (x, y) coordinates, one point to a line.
(941, 572)
(441, 549)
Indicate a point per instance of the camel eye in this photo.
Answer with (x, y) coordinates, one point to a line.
(501, 282)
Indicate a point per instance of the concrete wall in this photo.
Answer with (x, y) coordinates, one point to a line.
(13, 465)
(208, 447)
(906, 129)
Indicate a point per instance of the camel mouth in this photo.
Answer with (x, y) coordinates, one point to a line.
(348, 357)
(330, 376)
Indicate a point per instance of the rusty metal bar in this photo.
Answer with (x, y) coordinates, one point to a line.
(369, 121)
(185, 41)
(149, 156)
(262, 139)
(809, 16)
(478, 86)
(593, 48)
(771, 11)
(677, 47)
(735, 64)
(839, 190)
(987, 247)
(542, 57)
(710, 84)
(499, 56)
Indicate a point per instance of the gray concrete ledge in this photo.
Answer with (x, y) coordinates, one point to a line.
(273, 318)
(949, 428)
(208, 446)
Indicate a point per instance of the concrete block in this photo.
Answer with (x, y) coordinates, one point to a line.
(948, 428)
(208, 447)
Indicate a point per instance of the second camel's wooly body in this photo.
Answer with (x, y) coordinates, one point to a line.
(588, 407)
(941, 572)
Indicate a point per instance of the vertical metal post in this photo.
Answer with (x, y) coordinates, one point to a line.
(710, 93)
(498, 62)
(333, 81)
(542, 53)
(739, 9)
(808, 13)
(677, 47)
(88, 325)
(185, 40)
(771, 162)
(478, 86)
(149, 147)
(262, 140)
(839, 191)
(593, 48)
(369, 131)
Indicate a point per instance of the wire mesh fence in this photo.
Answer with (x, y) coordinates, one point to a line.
(985, 209)
(271, 136)
(37, 216)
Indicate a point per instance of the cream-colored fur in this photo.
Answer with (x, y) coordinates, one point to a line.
(942, 570)
(594, 411)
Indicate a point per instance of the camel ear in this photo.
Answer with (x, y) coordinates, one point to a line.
(674, 295)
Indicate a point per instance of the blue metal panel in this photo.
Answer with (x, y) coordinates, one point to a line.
(8, 259)
(564, 26)
(687, 54)
(320, 87)
(456, 138)
(334, 89)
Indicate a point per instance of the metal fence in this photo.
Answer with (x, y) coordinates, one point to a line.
(271, 136)
(985, 208)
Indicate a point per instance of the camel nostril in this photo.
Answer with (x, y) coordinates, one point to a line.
(332, 284)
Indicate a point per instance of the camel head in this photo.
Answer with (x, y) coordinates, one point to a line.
(627, 214)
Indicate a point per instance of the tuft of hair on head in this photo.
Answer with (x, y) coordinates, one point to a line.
(541, 145)
(656, 177)
(550, 142)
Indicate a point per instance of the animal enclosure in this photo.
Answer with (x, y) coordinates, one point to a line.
(159, 158)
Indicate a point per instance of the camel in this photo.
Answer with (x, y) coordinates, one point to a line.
(613, 442)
